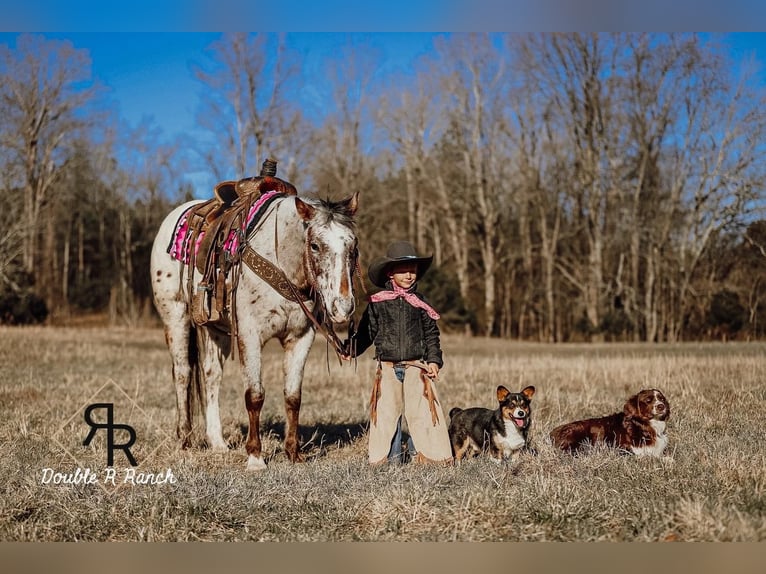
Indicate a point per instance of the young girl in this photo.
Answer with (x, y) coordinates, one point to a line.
(402, 326)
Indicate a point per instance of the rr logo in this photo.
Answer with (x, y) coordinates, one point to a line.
(110, 425)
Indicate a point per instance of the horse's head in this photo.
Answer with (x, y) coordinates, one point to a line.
(331, 252)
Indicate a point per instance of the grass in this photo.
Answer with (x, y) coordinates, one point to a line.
(714, 490)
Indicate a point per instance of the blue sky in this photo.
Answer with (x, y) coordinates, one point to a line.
(151, 74)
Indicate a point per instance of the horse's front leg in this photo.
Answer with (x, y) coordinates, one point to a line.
(296, 352)
(254, 396)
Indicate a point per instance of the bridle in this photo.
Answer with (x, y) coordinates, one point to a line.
(273, 274)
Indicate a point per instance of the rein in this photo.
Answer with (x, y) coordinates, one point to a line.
(357, 272)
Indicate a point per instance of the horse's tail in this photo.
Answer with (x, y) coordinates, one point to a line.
(196, 397)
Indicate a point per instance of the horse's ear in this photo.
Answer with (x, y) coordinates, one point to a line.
(352, 203)
(305, 211)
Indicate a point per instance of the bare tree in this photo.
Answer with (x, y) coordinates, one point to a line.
(344, 144)
(662, 146)
(474, 78)
(43, 83)
(750, 276)
(148, 177)
(407, 119)
(571, 74)
(656, 77)
(539, 160)
(246, 107)
(715, 173)
(11, 235)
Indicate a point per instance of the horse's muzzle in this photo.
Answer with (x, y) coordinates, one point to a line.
(341, 309)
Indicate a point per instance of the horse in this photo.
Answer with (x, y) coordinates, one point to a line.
(313, 243)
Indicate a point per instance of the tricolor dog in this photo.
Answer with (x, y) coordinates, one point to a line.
(503, 431)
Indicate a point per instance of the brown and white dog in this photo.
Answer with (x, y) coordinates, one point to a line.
(639, 428)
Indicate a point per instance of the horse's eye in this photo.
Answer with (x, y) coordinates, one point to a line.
(314, 247)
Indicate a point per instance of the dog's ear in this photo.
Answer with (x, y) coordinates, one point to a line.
(631, 407)
(502, 393)
(528, 392)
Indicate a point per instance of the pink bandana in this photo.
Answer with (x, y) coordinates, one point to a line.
(411, 298)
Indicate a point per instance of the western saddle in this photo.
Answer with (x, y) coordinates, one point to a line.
(218, 220)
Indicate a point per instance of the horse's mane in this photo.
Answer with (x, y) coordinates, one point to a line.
(330, 211)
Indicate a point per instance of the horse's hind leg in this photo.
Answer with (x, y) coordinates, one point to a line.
(181, 339)
(214, 348)
(169, 299)
(177, 340)
(296, 353)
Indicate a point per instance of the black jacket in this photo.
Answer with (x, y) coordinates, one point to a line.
(400, 332)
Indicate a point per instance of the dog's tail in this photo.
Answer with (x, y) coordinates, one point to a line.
(454, 411)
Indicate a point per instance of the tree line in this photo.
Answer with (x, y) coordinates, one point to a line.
(570, 186)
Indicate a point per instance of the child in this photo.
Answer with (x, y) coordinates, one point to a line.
(403, 328)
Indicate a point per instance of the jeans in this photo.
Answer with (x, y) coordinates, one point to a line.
(396, 454)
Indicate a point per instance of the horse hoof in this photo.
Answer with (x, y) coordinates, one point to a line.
(222, 447)
(255, 463)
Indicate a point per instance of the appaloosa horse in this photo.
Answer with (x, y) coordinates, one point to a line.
(313, 242)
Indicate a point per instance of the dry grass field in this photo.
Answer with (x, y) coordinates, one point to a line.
(713, 490)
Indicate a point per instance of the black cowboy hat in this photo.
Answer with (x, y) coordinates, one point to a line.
(398, 252)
